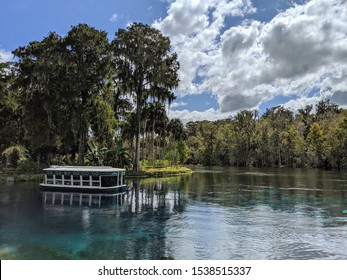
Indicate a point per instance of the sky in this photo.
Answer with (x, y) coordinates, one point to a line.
(233, 54)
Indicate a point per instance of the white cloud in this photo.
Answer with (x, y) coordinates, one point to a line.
(5, 56)
(187, 116)
(178, 104)
(302, 48)
(193, 27)
(296, 104)
(114, 17)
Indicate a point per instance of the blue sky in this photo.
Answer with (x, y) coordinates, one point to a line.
(23, 21)
(234, 54)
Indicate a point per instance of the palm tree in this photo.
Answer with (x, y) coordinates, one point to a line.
(177, 130)
(177, 133)
(118, 156)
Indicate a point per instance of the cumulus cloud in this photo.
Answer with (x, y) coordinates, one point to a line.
(5, 56)
(178, 104)
(339, 97)
(193, 27)
(296, 104)
(304, 39)
(300, 49)
(187, 116)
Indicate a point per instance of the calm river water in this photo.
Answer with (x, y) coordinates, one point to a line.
(215, 213)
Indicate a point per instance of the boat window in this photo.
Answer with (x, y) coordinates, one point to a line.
(109, 181)
(76, 177)
(85, 178)
(58, 182)
(58, 177)
(67, 180)
(95, 178)
(85, 183)
(49, 176)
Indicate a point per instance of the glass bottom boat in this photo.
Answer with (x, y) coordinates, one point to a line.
(83, 178)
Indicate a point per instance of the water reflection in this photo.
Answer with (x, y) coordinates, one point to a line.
(150, 196)
(217, 213)
(154, 196)
(82, 199)
(130, 225)
(281, 189)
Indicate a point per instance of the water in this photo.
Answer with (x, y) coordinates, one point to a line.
(215, 213)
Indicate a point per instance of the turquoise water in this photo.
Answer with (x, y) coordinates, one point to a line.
(215, 213)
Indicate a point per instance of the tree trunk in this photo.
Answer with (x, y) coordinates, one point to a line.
(138, 121)
(81, 149)
(144, 144)
(153, 152)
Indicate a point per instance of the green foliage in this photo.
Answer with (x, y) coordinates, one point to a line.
(278, 138)
(29, 165)
(70, 96)
(15, 155)
(96, 156)
(171, 156)
(315, 141)
(335, 146)
(156, 163)
(116, 156)
(182, 152)
(10, 110)
(64, 91)
(172, 170)
(145, 69)
(63, 82)
(29, 178)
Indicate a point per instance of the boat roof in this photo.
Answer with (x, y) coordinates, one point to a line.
(83, 168)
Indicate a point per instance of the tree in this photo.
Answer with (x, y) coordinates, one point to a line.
(96, 155)
(15, 155)
(144, 66)
(87, 59)
(118, 156)
(279, 118)
(289, 138)
(11, 129)
(38, 81)
(178, 135)
(64, 84)
(154, 114)
(324, 107)
(306, 117)
(5, 92)
(245, 123)
(337, 145)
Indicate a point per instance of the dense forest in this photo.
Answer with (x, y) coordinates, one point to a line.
(81, 99)
(316, 136)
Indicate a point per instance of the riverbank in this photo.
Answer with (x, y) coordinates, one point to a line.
(160, 172)
(20, 177)
(37, 176)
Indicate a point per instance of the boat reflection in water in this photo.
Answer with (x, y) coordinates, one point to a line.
(82, 199)
(152, 197)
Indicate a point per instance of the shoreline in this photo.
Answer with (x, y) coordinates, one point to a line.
(11, 176)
